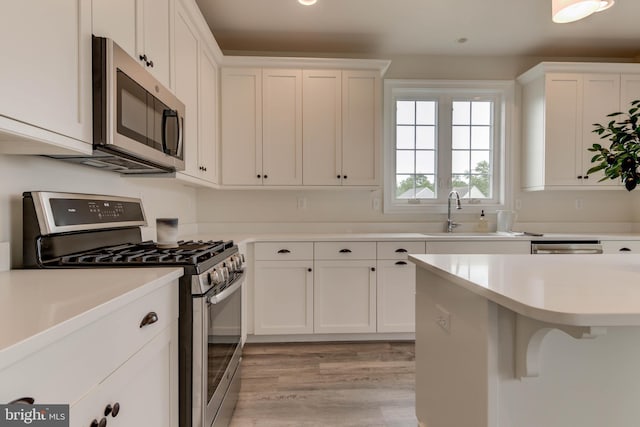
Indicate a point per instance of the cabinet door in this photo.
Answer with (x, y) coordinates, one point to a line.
(145, 387)
(156, 33)
(601, 96)
(322, 130)
(282, 127)
(620, 246)
(241, 114)
(629, 90)
(396, 296)
(480, 247)
(186, 85)
(563, 123)
(360, 127)
(45, 77)
(283, 297)
(116, 19)
(344, 296)
(208, 137)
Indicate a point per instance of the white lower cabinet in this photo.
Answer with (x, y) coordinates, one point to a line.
(344, 296)
(480, 247)
(283, 297)
(142, 389)
(620, 246)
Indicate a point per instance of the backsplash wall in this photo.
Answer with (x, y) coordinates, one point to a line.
(161, 197)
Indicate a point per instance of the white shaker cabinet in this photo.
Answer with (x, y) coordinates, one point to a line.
(241, 126)
(45, 77)
(559, 110)
(143, 28)
(620, 246)
(629, 90)
(396, 286)
(283, 288)
(361, 110)
(281, 127)
(479, 247)
(196, 86)
(344, 287)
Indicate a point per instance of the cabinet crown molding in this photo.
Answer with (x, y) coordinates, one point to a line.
(577, 67)
(311, 63)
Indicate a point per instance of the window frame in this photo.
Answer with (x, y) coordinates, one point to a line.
(501, 92)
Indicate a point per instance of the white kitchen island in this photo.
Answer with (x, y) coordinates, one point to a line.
(527, 340)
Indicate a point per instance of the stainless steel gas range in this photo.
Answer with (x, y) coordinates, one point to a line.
(66, 230)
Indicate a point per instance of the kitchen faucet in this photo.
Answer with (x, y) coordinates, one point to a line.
(450, 224)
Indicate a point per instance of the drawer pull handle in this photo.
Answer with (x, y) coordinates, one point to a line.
(373, 269)
(112, 410)
(309, 270)
(401, 263)
(345, 251)
(625, 250)
(149, 319)
(401, 251)
(284, 251)
(23, 401)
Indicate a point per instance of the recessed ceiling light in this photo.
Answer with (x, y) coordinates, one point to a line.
(462, 40)
(307, 2)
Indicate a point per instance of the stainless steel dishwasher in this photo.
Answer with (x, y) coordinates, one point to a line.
(540, 247)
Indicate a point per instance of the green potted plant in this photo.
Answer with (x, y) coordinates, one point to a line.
(620, 160)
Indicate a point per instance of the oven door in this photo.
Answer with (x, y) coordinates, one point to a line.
(216, 353)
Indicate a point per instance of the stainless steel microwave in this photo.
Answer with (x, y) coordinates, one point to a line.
(138, 124)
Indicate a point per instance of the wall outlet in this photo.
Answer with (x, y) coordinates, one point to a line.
(443, 319)
(375, 204)
(578, 203)
(302, 203)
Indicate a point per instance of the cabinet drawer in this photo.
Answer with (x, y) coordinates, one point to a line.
(283, 251)
(63, 371)
(620, 246)
(345, 250)
(399, 250)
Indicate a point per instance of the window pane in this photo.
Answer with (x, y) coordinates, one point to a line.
(481, 137)
(480, 160)
(405, 161)
(460, 162)
(405, 186)
(460, 183)
(405, 137)
(461, 113)
(426, 112)
(480, 186)
(460, 137)
(425, 162)
(425, 189)
(481, 113)
(405, 113)
(425, 137)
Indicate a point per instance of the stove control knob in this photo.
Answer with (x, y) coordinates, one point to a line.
(216, 277)
(209, 279)
(224, 272)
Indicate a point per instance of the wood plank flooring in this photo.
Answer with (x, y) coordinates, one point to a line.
(352, 384)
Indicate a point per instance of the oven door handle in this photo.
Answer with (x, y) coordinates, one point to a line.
(218, 298)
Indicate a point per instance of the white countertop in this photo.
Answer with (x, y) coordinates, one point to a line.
(38, 307)
(581, 290)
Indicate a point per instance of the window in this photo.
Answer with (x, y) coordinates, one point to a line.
(443, 136)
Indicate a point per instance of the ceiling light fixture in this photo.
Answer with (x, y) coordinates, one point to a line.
(564, 11)
(307, 2)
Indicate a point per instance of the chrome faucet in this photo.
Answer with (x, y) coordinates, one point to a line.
(450, 224)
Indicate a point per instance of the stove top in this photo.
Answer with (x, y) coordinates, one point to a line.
(149, 253)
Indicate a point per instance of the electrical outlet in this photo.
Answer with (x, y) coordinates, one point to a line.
(302, 203)
(443, 319)
(578, 203)
(375, 204)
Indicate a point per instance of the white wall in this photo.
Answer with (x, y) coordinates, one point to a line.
(161, 197)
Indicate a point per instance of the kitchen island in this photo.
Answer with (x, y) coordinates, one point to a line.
(527, 341)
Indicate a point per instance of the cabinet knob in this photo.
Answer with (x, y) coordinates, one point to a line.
(102, 423)
(23, 401)
(94, 423)
(116, 409)
(150, 64)
(344, 176)
(338, 176)
(258, 176)
(585, 177)
(579, 176)
(143, 58)
(265, 176)
(149, 319)
(309, 270)
(373, 269)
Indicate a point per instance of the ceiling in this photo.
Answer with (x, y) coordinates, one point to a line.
(376, 28)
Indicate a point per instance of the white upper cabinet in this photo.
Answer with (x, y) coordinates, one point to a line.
(45, 77)
(297, 126)
(209, 123)
(559, 111)
(241, 115)
(143, 28)
(361, 111)
(322, 130)
(281, 127)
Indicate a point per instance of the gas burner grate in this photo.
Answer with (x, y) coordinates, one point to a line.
(149, 253)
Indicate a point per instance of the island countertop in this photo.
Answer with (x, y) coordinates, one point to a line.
(579, 290)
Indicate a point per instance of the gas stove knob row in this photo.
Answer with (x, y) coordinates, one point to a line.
(215, 277)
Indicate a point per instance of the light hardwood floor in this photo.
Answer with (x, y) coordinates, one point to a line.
(327, 384)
